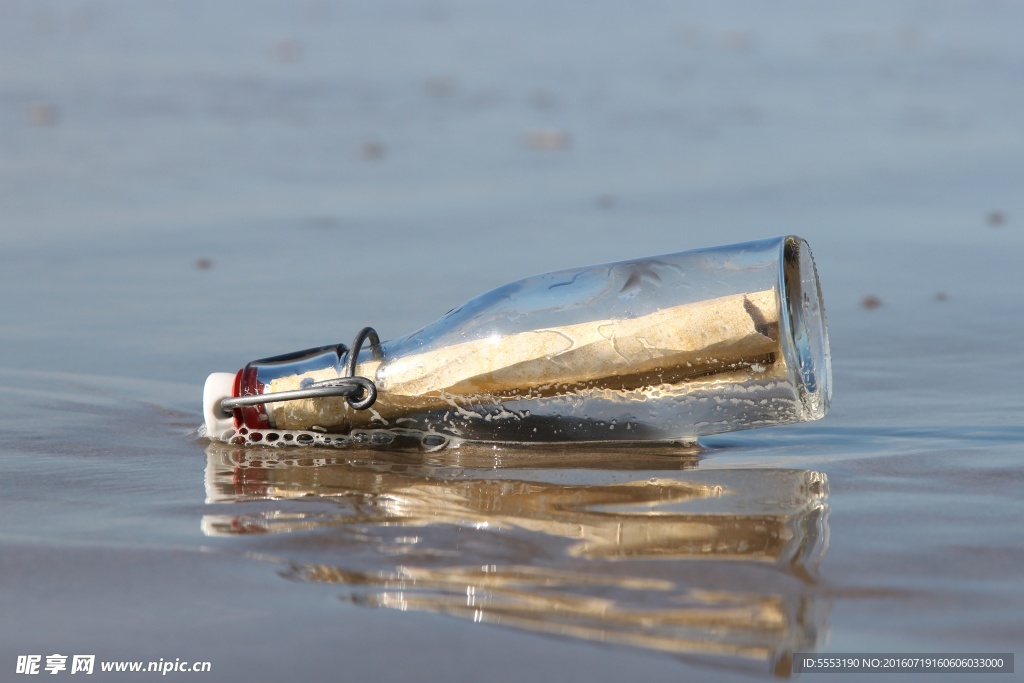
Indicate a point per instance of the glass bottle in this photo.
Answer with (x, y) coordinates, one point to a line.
(667, 348)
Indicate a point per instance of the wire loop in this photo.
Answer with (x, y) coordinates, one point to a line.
(360, 392)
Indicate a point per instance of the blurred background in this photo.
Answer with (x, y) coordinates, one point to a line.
(186, 186)
(234, 177)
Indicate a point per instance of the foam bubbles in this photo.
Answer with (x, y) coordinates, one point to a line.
(365, 438)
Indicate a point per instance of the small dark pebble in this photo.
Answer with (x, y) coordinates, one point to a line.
(374, 150)
(996, 218)
(548, 140)
(42, 115)
(286, 51)
(440, 86)
(870, 303)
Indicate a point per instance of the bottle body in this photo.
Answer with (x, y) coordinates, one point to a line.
(668, 348)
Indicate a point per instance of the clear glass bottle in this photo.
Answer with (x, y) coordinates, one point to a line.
(667, 348)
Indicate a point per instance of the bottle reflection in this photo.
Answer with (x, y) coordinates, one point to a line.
(662, 556)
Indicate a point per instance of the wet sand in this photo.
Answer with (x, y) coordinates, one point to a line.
(184, 188)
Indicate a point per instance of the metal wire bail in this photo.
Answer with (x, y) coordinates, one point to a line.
(360, 392)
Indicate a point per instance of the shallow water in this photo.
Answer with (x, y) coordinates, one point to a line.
(184, 189)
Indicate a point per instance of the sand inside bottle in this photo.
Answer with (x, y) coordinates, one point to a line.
(660, 352)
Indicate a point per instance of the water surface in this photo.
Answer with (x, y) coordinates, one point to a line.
(185, 187)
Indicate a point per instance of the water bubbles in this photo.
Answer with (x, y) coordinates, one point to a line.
(433, 442)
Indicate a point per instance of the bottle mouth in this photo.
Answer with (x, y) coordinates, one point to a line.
(805, 341)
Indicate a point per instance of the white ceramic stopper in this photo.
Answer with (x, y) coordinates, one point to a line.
(219, 385)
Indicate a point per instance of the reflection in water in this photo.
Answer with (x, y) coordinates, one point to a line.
(660, 556)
